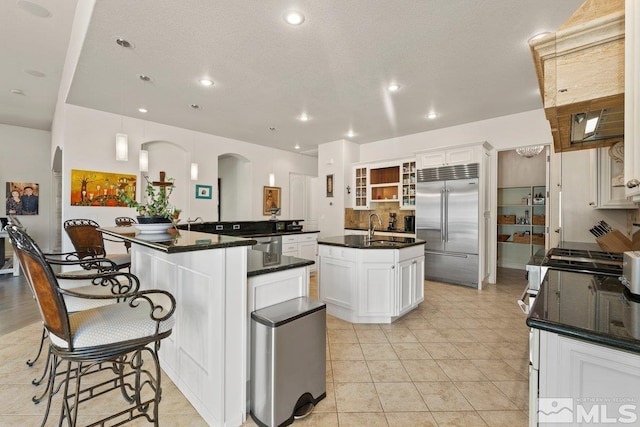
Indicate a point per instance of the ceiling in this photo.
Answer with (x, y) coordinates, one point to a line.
(466, 60)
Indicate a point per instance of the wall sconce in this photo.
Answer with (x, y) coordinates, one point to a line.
(144, 161)
(194, 171)
(122, 147)
(272, 179)
(348, 190)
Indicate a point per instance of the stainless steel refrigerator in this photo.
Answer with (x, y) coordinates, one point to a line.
(447, 219)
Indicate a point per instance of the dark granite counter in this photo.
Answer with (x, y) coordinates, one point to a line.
(378, 242)
(588, 307)
(173, 242)
(259, 262)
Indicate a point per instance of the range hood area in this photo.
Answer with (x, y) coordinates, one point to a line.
(580, 72)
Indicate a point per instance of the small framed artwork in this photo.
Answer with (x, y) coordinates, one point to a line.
(271, 200)
(203, 191)
(330, 185)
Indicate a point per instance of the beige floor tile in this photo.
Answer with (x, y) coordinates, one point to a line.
(366, 327)
(505, 418)
(510, 351)
(442, 396)
(467, 323)
(456, 335)
(461, 370)
(429, 335)
(397, 397)
(346, 351)
(347, 371)
(329, 372)
(21, 421)
(458, 419)
(484, 396)
(516, 335)
(319, 419)
(362, 419)
(410, 419)
(520, 365)
(411, 350)
(497, 370)
(442, 350)
(517, 391)
(371, 336)
(382, 351)
(342, 336)
(387, 371)
(424, 370)
(335, 323)
(357, 397)
(400, 335)
(418, 323)
(476, 350)
(443, 323)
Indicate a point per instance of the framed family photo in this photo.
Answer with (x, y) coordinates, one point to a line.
(203, 191)
(22, 198)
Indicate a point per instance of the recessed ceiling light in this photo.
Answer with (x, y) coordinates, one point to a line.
(123, 42)
(350, 134)
(293, 17)
(394, 87)
(142, 110)
(538, 36)
(432, 115)
(206, 82)
(195, 106)
(297, 146)
(17, 91)
(35, 73)
(303, 117)
(144, 77)
(34, 9)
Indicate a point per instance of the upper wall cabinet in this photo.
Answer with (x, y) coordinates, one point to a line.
(632, 101)
(454, 156)
(607, 169)
(392, 181)
(581, 71)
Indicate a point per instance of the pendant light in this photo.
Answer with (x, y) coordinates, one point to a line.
(530, 151)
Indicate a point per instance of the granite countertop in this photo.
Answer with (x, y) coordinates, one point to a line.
(259, 262)
(173, 242)
(588, 307)
(251, 234)
(381, 231)
(378, 242)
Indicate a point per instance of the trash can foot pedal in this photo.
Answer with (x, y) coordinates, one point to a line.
(304, 406)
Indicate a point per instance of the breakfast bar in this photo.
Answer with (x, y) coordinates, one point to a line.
(207, 274)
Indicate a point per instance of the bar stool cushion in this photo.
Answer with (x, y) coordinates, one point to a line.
(111, 324)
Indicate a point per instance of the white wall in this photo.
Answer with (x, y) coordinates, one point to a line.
(518, 171)
(89, 139)
(26, 158)
(334, 158)
(506, 132)
(235, 180)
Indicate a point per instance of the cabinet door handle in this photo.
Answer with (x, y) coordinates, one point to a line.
(592, 203)
(393, 267)
(633, 183)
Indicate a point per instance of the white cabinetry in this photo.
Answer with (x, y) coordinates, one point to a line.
(454, 156)
(607, 182)
(592, 375)
(392, 181)
(301, 246)
(370, 285)
(632, 100)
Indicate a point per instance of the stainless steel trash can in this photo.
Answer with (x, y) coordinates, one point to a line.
(288, 361)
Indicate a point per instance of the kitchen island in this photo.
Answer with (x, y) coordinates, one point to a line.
(205, 355)
(585, 348)
(370, 281)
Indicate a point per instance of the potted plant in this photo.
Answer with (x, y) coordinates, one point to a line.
(156, 208)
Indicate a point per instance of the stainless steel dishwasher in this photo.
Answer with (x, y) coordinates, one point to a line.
(270, 244)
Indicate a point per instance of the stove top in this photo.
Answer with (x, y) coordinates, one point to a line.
(587, 261)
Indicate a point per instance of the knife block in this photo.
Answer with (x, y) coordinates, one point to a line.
(615, 241)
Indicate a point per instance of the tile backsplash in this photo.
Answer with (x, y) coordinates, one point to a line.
(360, 219)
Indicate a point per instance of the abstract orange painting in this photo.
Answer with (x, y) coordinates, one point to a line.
(91, 188)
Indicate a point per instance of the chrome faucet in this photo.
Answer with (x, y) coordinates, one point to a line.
(190, 221)
(372, 227)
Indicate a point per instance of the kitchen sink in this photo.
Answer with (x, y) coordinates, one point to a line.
(383, 243)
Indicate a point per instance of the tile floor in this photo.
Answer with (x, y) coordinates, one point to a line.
(460, 359)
